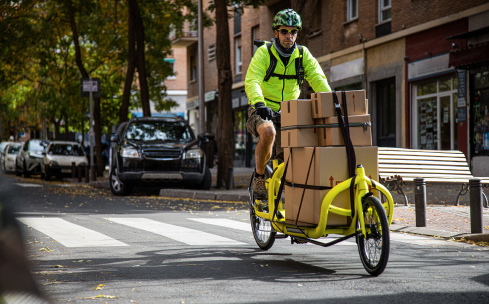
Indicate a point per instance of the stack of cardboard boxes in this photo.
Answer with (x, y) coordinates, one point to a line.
(317, 156)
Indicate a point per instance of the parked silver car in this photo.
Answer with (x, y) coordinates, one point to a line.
(3, 144)
(9, 156)
(30, 157)
(58, 158)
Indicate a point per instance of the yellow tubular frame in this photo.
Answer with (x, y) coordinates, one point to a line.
(362, 184)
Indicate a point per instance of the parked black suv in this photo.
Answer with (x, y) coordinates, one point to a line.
(157, 150)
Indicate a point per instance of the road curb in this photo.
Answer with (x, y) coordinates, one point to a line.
(204, 195)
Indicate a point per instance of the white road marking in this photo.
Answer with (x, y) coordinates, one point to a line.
(177, 233)
(28, 185)
(69, 234)
(416, 239)
(244, 226)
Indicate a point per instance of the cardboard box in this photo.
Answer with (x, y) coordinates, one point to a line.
(299, 138)
(323, 105)
(328, 168)
(296, 112)
(359, 135)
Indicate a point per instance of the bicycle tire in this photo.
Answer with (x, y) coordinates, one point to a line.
(262, 229)
(374, 249)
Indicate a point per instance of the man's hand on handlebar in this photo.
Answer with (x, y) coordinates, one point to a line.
(264, 111)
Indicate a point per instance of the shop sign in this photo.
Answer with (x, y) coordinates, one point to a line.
(192, 104)
(210, 96)
(462, 88)
(235, 103)
(461, 114)
(429, 67)
(244, 101)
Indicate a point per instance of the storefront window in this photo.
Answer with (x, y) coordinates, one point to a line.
(239, 138)
(480, 114)
(436, 113)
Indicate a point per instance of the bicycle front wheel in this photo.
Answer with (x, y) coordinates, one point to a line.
(374, 248)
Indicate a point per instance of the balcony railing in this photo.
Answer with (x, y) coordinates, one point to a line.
(183, 39)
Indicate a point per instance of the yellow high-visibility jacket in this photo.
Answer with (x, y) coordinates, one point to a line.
(276, 90)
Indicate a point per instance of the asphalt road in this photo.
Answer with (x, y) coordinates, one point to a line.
(86, 245)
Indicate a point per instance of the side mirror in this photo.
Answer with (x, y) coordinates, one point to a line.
(114, 138)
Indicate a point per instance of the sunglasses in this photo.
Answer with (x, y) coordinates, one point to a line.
(286, 31)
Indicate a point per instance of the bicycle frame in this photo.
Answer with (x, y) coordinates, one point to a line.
(362, 184)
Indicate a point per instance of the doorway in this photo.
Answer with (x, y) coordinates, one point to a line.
(386, 112)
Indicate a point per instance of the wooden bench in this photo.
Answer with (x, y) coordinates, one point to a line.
(398, 166)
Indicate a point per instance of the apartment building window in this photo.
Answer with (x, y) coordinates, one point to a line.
(237, 22)
(237, 53)
(384, 10)
(435, 114)
(351, 10)
(193, 68)
(171, 62)
(255, 35)
(211, 52)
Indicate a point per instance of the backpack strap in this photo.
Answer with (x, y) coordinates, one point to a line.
(273, 62)
(299, 67)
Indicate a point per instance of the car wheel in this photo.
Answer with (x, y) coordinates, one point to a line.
(17, 171)
(26, 172)
(116, 186)
(43, 176)
(206, 182)
(47, 174)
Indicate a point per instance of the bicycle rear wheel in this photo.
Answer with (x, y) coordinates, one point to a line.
(374, 249)
(262, 229)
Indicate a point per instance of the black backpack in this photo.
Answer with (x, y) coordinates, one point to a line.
(299, 68)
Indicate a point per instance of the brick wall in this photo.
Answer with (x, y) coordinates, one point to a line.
(180, 81)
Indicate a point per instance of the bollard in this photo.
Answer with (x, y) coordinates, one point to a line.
(73, 169)
(87, 175)
(94, 173)
(476, 220)
(229, 184)
(79, 173)
(420, 201)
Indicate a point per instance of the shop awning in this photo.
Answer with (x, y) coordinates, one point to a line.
(469, 57)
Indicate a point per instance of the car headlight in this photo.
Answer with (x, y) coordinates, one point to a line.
(10, 159)
(197, 153)
(53, 163)
(129, 153)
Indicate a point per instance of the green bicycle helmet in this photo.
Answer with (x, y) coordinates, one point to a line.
(287, 17)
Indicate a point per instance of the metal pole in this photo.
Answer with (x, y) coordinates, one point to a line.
(92, 139)
(420, 201)
(476, 211)
(200, 34)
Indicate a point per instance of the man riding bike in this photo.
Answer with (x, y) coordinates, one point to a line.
(270, 81)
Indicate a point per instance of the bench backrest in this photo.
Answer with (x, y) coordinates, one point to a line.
(429, 164)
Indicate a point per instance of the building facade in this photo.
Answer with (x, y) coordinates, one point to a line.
(423, 64)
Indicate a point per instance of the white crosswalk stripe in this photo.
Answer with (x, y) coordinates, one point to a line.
(177, 233)
(244, 226)
(69, 234)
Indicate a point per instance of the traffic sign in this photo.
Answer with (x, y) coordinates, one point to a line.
(88, 85)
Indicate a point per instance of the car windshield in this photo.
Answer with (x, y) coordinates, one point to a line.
(65, 149)
(167, 131)
(14, 149)
(36, 146)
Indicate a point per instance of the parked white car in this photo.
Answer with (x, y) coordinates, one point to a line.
(58, 158)
(9, 156)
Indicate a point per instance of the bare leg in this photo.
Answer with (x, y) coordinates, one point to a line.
(263, 150)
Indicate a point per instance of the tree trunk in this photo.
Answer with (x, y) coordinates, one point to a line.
(56, 129)
(141, 62)
(66, 129)
(225, 82)
(306, 9)
(131, 66)
(96, 107)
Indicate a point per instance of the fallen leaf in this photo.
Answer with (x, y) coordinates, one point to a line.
(99, 287)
